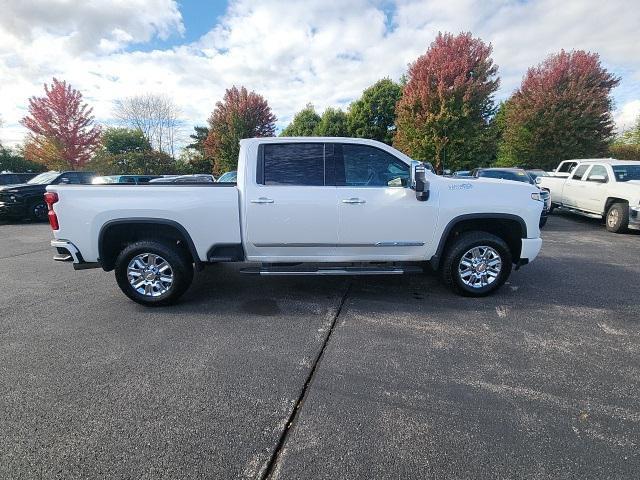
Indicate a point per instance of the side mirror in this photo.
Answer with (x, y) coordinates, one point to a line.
(419, 181)
(63, 180)
(598, 178)
(538, 180)
(446, 173)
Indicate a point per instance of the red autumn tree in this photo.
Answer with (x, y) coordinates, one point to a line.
(63, 134)
(562, 110)
(447, 102)
(241, 114)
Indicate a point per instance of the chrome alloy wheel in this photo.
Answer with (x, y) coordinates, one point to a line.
(150, 274)
(480, 266)
(612, 218)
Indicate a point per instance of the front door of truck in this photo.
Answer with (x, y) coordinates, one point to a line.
(596, 192)
(291, 212)
(379, 217)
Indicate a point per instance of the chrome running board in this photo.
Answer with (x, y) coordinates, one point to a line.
(273, 271)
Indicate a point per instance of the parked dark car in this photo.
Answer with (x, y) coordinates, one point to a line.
(15, 178)
(26, 200)
(517, 175)
(198, 178)
(128, 179)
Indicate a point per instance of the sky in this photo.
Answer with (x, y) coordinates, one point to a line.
(323, 52)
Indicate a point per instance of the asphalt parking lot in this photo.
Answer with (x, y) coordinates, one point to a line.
(387, 377)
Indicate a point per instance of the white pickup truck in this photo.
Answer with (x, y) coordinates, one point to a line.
(600, 188)
(301, 206)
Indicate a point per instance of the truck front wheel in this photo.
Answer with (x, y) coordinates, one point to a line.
(153, 273)
(476, 264)
(618, 218)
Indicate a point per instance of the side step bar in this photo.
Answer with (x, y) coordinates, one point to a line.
(273, 271)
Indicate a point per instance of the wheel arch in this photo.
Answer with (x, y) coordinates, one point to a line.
(511, 228)
(610, 201)
(115, 234)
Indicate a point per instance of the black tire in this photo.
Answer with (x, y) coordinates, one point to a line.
(38, 211)
(450, 270)
(617, 219)
(180, 267)
(543, 221)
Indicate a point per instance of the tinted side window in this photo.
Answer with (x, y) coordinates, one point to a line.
(294, 164)
(567, 167)
(580, 171)
(366, 166)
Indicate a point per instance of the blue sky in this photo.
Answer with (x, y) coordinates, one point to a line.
(292, 52)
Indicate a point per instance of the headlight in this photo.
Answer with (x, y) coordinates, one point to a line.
(536, 196)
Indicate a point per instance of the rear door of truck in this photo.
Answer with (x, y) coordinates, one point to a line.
(289, 201)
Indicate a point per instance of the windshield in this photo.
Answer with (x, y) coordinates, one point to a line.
(228, 177)
(516, 175)
(44, 178)
(624, 173)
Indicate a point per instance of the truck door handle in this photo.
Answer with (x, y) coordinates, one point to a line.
(353, 200)
(262, 200)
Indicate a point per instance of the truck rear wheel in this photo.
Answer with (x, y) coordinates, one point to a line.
(476, 264)
(153, 273)
(617, 219)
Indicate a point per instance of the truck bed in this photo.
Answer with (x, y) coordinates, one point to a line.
(209, 212)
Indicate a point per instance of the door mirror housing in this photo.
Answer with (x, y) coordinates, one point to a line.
(538, 180)
(419, 181)
(598, 178)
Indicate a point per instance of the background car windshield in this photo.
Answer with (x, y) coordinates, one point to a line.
(624, 173)
(228, 177)
(43, 178)
(519, 176)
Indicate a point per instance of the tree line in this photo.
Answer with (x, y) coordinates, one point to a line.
(443, 110)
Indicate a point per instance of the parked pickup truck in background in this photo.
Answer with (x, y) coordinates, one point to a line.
(301, 206)
(604, 188)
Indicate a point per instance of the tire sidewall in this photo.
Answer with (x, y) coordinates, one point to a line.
(620, 225)
(505, 258)
(182, 272)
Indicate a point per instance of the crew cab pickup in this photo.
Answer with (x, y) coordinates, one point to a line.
(603, 188)
(301, 206)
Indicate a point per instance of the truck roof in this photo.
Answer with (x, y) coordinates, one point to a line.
(609, 161)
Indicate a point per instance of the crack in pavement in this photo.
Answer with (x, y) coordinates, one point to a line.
(25, 253)
(295, 411)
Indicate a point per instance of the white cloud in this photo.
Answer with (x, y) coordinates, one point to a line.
(319, 51)
(628, 116)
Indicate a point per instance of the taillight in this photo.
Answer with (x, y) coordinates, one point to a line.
(50, 198)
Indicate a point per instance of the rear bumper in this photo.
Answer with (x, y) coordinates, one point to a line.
(530, 248)
(68, 252)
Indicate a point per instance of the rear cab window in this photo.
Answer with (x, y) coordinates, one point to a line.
(301, 164)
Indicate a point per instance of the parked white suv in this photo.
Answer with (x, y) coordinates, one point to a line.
(302, 206)
(603, 188)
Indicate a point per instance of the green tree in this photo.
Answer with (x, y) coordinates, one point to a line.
(447, 103)
(333, 123)
(13, 161)
(562, 110)
(304, 124)
(373, 115)
(240, 114)
(194, 156)
(124, 140)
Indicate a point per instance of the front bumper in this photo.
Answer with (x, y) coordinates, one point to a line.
(12, 209)
(68, 252)
(634, 218)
